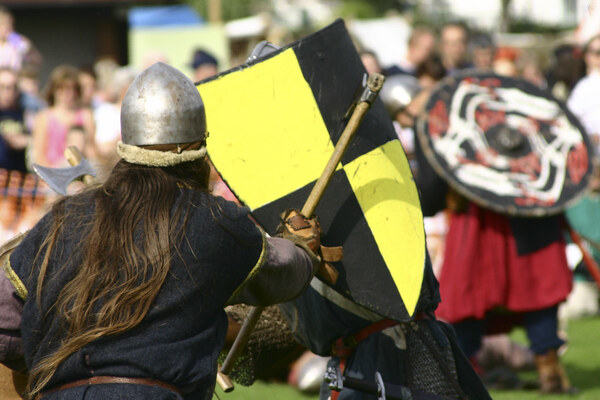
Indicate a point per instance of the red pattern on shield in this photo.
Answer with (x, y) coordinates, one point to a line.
(529, 164)
(508, 145)
(577, 162)
(487, 118)
(532, 200)
(438, 119)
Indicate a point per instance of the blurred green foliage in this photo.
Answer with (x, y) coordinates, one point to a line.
(366, 9)
(372, 8)
(528, 26)
(232, 9)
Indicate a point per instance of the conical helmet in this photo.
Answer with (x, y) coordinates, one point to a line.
(398, 91)
(162, 106)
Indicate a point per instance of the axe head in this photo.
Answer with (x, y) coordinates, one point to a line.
(60, 178)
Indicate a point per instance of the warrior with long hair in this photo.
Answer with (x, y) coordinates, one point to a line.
(119, 291)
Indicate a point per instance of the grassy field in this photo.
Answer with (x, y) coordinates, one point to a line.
(581, 360)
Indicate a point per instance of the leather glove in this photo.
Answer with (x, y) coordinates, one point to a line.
(306, 233)
(303, 231)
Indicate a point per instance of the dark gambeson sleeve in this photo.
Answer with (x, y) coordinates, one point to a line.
(280, 270)
(12, 297)
(283, 272)
(16, 262)
(20, 263)
(11, 308)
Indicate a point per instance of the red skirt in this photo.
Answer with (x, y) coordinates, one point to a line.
(482, 270)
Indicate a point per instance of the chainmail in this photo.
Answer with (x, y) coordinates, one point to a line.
(430, 365)
(270, 339)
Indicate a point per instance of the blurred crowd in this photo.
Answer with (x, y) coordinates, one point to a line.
(457, 230)
(80, 106)
(570, 72)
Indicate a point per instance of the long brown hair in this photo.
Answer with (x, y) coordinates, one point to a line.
(118, 277)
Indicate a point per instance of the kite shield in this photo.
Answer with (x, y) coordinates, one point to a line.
(505, 144)
(273, 125)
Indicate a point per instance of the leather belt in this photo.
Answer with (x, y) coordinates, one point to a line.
(344, 346)
(98, 380)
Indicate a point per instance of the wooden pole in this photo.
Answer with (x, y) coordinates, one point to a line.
(74, 157)
(340, 148)
(215, 11)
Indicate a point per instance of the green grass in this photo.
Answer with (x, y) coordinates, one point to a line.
(264, 391)
(581, 360)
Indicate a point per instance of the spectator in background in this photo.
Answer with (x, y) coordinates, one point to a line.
(370, 61)
(483, 51)
(584, 101)
(107, 116)
(89, 87)
(28, 84)
(204, 65)
(530, 69)
(566, 68)
(76, 137)
(14, 136)
(505, 62)
(104, 69)
(453, 47)
(52, 125)
(29, 80)
(430, 71)
(15, 49)
(421, 43)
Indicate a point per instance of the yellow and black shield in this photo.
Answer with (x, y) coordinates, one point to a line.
(273, 125)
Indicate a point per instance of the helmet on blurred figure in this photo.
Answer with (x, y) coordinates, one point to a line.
(398, 91)
(162, 107)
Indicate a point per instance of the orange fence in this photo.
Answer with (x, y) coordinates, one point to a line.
(23, 200)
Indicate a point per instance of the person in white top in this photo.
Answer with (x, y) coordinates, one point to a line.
(107, 116)
(584, 101)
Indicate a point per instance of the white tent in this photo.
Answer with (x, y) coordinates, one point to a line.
(387, 37)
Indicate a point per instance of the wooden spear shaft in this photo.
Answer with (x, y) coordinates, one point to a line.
(340, 148)
(374, 85)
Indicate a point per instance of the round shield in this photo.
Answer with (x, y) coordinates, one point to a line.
(505, 144)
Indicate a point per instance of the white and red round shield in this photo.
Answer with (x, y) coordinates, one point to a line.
(505, 144)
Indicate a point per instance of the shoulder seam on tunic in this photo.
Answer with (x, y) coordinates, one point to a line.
(261, 261)
(14, 279)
